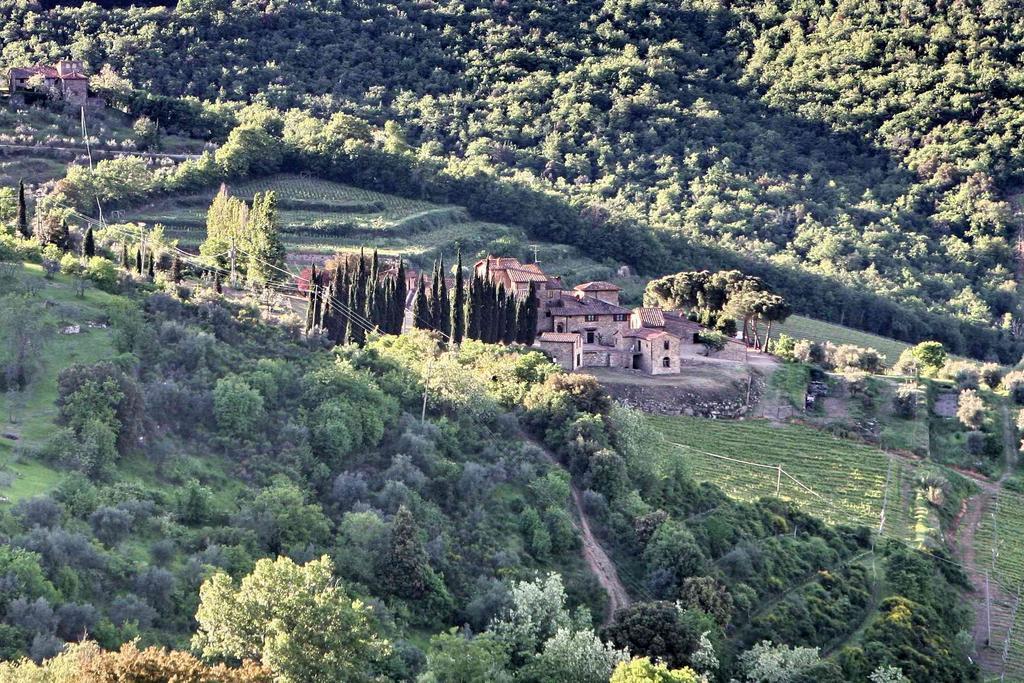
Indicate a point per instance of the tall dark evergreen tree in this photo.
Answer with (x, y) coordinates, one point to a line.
(509, 325)
(150, 270)
(421, 307)
(404, 568)
(443, 322)
(359, 301)
(23, 226)
(217, 286)
(176, 269)
(457, 326)
(124, 255)
(435, 297)
(372, 311)
(528, 318)
(344, 291)
(138, 260)
(399, 297)
(497, 315)
(311, 301)
(89, 244)
(473, 308)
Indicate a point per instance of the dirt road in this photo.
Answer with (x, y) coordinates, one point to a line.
(600, 564)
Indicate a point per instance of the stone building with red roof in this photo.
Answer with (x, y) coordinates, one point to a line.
(66, 79)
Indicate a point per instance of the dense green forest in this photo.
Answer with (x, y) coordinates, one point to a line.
(872, 146)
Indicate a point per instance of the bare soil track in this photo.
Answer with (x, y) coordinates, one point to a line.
(598, 561)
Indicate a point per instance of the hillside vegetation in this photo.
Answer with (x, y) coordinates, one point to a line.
(718, 125)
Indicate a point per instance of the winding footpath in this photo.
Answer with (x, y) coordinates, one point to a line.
(598, 561)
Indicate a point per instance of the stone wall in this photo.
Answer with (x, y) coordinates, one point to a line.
(728, 404)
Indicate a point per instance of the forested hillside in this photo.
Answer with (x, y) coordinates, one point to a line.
(875, 144)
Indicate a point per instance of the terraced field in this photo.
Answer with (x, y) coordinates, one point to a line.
(839, 481)
(320, 217)
(1001, 530)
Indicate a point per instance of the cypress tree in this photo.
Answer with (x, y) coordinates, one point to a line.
(421, 307)
(311, 302)
(124, 255)
(138, 260)
(89, 244)
(435, 298)
(373, 291)
(150, 271)
(23, 228)
(529, 325)
(385, 307)
(344, 289)
(473, 309)
(457, 325)
(176, 269)
(216, 282)
(404, 567)
(443, 321)
(399, 297)
(359, 302)
(498, 315)
(508, 331)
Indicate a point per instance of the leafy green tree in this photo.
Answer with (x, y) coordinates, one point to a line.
(454, 658)
(766, 662)
(248, 149)
(931, 356)
(237, 407)
(643, 670)
(282, 519)
(297, 620)
(265, 260)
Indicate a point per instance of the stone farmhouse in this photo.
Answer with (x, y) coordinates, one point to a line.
(66, 79)
(587, 327)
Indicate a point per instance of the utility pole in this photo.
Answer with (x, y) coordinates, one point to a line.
(778, 480)
(988, 612)
(426, 378)
(231, 255)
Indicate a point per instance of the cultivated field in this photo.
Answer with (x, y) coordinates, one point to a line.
(320, 217)
(998, 549)
(837, 480)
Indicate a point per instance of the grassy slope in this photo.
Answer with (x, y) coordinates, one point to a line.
(34, 410)
(800, 327)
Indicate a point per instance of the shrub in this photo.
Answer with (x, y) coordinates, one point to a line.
(967, 375)
(904, 402)
(970, 409)
(102, 273)
(1013, 384)
(237, 407)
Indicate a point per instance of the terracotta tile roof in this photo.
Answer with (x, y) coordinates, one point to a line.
(599, 286)
(559, 337)
(570, 305)
(650, 317)
(555, 283)
(27, 71)
(524, 275)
